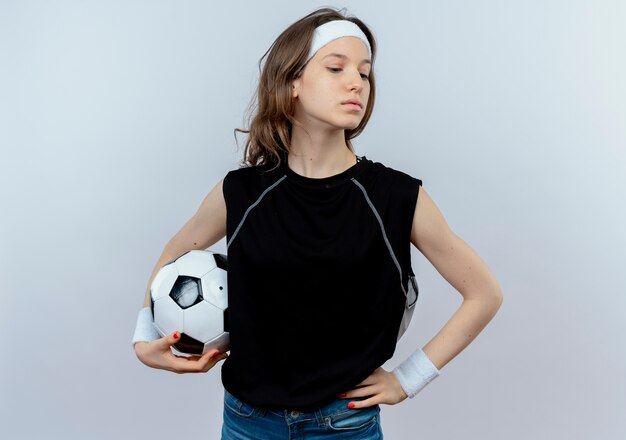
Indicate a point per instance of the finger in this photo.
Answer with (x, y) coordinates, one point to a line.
(202, 363)
(192, 364)
(364, 403)
(208, 360)
(167, 341)
(209, 354)
(372, 378)
(362, 392)
(211, 358)
(364, 382)
(367, 381)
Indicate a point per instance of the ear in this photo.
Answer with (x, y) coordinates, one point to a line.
(295, 87)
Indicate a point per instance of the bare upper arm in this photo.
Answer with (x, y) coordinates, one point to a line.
(454, 259)
(205, 228)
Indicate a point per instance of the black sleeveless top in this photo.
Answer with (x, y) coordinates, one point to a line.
(317, 274)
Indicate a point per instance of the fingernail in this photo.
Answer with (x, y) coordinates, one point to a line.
(176, 335)
(343, 395)
(350, 405)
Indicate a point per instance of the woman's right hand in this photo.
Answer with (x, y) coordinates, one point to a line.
(158, 354)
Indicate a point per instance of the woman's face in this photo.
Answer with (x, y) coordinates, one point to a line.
(338, 72)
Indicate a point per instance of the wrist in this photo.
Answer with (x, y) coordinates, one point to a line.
(144, 329)
(415, 373)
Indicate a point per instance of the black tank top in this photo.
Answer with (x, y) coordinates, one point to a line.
(318, 270)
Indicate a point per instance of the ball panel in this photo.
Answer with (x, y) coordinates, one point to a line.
(163, 281)
(221, 260)
(186, 291)
(214, 288)
(195, 263)
(203, 321)
(222, 342)
(189, 345)
(168, 317)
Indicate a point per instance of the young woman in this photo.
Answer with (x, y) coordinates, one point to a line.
(319, 274)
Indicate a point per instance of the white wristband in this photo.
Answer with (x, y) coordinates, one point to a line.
(145, 330)
(415, 373)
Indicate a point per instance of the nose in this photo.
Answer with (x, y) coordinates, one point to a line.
(355, 81)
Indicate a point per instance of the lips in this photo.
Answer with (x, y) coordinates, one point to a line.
(353, 101)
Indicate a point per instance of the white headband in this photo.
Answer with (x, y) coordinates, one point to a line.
(332, 30)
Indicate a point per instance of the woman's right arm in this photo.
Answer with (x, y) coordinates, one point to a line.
(205, 228)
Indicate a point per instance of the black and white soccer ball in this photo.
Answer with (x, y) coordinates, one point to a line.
(189, 294)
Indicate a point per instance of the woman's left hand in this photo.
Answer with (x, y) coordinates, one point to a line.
(381, 385)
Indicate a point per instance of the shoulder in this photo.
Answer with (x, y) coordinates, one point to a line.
(250, 179)
(387, 175)
(245, 172)
(252, 172)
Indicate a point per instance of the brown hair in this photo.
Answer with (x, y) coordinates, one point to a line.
(269, 138)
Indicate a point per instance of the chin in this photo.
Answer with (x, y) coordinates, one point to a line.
(351, 125)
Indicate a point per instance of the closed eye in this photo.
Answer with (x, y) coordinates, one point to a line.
(338, 69)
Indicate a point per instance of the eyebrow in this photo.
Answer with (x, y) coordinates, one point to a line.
(343, 57)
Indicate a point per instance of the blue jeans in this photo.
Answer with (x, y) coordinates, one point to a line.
(333, 421)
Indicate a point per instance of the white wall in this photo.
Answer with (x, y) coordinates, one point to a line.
(117, 117)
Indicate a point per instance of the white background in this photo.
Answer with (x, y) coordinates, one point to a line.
(117, 118)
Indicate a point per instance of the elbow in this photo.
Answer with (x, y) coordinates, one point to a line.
(487, 293)
(491, 297)
(496, 298)
(492, 292)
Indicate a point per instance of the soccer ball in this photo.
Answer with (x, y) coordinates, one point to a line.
(189, 294)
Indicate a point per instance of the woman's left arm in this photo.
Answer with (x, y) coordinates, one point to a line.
(482, 297)
(461, 266)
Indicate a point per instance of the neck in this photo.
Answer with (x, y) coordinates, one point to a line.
(319, 155)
